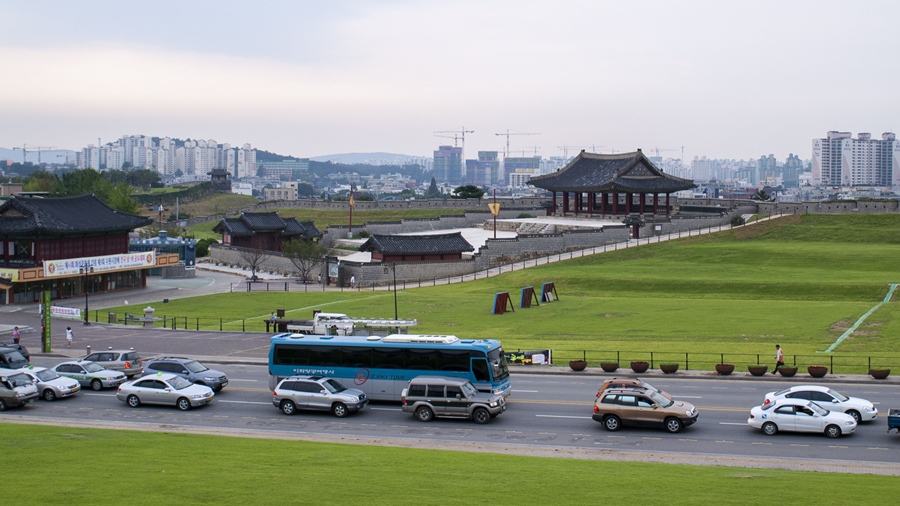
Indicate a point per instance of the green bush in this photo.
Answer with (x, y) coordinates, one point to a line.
(737, 220)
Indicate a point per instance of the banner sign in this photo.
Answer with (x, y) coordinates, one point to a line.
(65, 312)
(10, 274)
(45, 321)
(535, 357)
(76, 266)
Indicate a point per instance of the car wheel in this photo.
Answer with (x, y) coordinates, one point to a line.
(49, 395)
(97, 385)
(481, 415)
(424, 414)
(340, 410)
(288, 407)
(183, 403)
(673, 425)
(855, 415)
(2, 405)
(612, 423)
(833, 431)
(133, 401)
(770, 429)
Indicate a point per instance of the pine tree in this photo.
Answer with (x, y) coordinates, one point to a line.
(432, 190)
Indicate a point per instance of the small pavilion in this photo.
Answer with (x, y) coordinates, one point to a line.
(416, 248)
(623, 182)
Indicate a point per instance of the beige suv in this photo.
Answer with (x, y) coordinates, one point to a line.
(622, 406)
(630, 384)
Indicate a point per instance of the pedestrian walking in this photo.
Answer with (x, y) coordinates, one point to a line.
(16, 335)
(779, 358)
(352, 281)
(319, 278)
(68, 337)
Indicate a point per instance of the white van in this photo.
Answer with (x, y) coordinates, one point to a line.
(16, 389)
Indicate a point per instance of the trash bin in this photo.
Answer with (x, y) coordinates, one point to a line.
(112, 317)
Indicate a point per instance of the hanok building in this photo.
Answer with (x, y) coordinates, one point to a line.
(69, 246)
(416, 248)
(611, 185)
(264, 231)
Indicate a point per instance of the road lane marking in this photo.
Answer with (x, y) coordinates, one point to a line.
(731, 423)
(386, 409)
(244, 402)
(527, 391)
(688, 396)
(239, 379)
(563, 416)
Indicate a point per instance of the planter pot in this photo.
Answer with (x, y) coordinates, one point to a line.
(879, 374)
(787, 372)
(668, 368)
(726, 369)
(640, 367)
(609, 366)
(577, 365)
(817, 371)
(757, 370)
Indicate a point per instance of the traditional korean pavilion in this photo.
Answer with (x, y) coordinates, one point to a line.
(416, 248)
(69, 246)
(265, 231)
(611, 185)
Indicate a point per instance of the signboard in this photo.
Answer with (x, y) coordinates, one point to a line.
(65, 312)
(534, 357)
(332, 270)
(76, 266)
(10, 274)
(495, 208)
(45, 321)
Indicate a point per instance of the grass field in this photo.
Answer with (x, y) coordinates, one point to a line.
(799, 281)
(54, 465)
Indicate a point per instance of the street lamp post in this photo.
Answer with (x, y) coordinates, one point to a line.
(394, 269)
(85, 270)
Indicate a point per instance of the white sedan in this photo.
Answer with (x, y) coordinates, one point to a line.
(860, 409)
(800, 415)
(167, 389)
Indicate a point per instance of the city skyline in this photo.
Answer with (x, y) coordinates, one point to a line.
(725, 81)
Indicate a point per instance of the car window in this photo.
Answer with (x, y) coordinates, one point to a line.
(627, 400)
(841, 397)
(334, 386)
(661, 399)
(785, 410)
(804, 411)
(821, 397)
(286, 385)
(609, 399)
(46, 375)
(93, 367)
(435, 390)
(131, 356)
(179, 383)
(64, 368)
(93, 357)
(20, 380)
(469, 389)
(643, 402)
(416, 391)
(195, 366)
(453, 391)
(306, 386)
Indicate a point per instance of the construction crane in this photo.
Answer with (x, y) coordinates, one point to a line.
(457, 134)
(565, 149)
(25, 149)
(657, 150)
(508, 133)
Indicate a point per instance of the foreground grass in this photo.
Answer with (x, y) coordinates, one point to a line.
(799, 282)
(116, 467)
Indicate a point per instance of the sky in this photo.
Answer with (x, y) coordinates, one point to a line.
(733, 80)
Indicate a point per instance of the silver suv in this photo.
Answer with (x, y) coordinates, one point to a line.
(317, 393)
(126, 361)
(430, 396)
(16, 389)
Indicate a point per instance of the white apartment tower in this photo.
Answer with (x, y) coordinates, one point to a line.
(839, 160)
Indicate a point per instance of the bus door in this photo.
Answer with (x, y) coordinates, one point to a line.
(481, 374)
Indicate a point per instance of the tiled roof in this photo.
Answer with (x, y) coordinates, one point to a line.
(253, 223)
(624, 172)
(83, 214)
(439, 244)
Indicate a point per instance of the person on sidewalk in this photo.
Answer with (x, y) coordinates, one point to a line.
(15, 335)
(779, 358)
(68, 337)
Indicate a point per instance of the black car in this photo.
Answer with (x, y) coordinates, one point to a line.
(190, 369)
(18, 347)
(11, 358)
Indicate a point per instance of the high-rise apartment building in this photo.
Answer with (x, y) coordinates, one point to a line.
(485, 170)
(839, 160)
(448, 166)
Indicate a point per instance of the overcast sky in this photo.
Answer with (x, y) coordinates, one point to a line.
(724, 79)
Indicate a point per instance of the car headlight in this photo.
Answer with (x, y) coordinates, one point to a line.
(850, 422)
(208, 378)
(494, 404)
(869, 408)
(199, 396)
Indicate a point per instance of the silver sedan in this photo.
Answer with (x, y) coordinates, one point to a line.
(166, 389)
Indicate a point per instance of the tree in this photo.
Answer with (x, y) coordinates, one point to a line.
(468, 192)
(433, 191)
(760, 195)
(305, 190)
(254, 257)
(178, 173)
(305, 255)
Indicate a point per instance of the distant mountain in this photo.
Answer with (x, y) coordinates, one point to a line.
(46, 155)
(351, 158)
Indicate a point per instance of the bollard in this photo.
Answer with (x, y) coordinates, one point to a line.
(88, 349)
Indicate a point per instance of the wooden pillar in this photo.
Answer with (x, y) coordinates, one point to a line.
(643, 197)
(655, 203)
(577, 199)
(603, 203)
(615, 199)
(629, 197)
(554, 202)
(667, 204)
(565, 203)
(591, 197)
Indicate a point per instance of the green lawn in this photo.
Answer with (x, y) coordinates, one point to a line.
(798, 282)
(56, 465)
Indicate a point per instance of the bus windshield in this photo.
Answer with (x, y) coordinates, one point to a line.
(497, 360)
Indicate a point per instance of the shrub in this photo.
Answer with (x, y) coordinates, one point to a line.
(526, 215)
(737, 220)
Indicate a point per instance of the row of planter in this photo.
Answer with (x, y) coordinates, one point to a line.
(816, 371)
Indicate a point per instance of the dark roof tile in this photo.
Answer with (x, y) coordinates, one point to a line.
(438, 244)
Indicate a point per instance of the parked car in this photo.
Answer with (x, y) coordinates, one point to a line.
(90, 374)
(625, 406)
(430, 396)
(633, 384)
(860, 409)
(18, 347)
(11, 358)
(51, 386)
(189, 369)
(16, 389)
(127, 361)
(166, 389)
(317, 393)
(800, 415)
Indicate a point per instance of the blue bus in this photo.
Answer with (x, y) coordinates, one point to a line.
(381, 366)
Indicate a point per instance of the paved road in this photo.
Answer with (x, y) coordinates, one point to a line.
(547, 413)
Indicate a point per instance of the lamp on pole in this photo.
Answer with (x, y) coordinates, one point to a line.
(85, 270)
(394, 269)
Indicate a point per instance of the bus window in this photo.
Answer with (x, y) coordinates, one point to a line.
(423, 360)
(453, 360)
(291, 355)
(388, 358)
(324, 356)
(480, 370)
(356, 357)
(498, 364)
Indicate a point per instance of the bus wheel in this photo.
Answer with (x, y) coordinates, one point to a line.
(424, 414)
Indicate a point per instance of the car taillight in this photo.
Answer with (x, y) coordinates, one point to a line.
(751, 416)
(274, 393)
(596, 409)
(119, 389)
(767, 402)
(128, 364)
